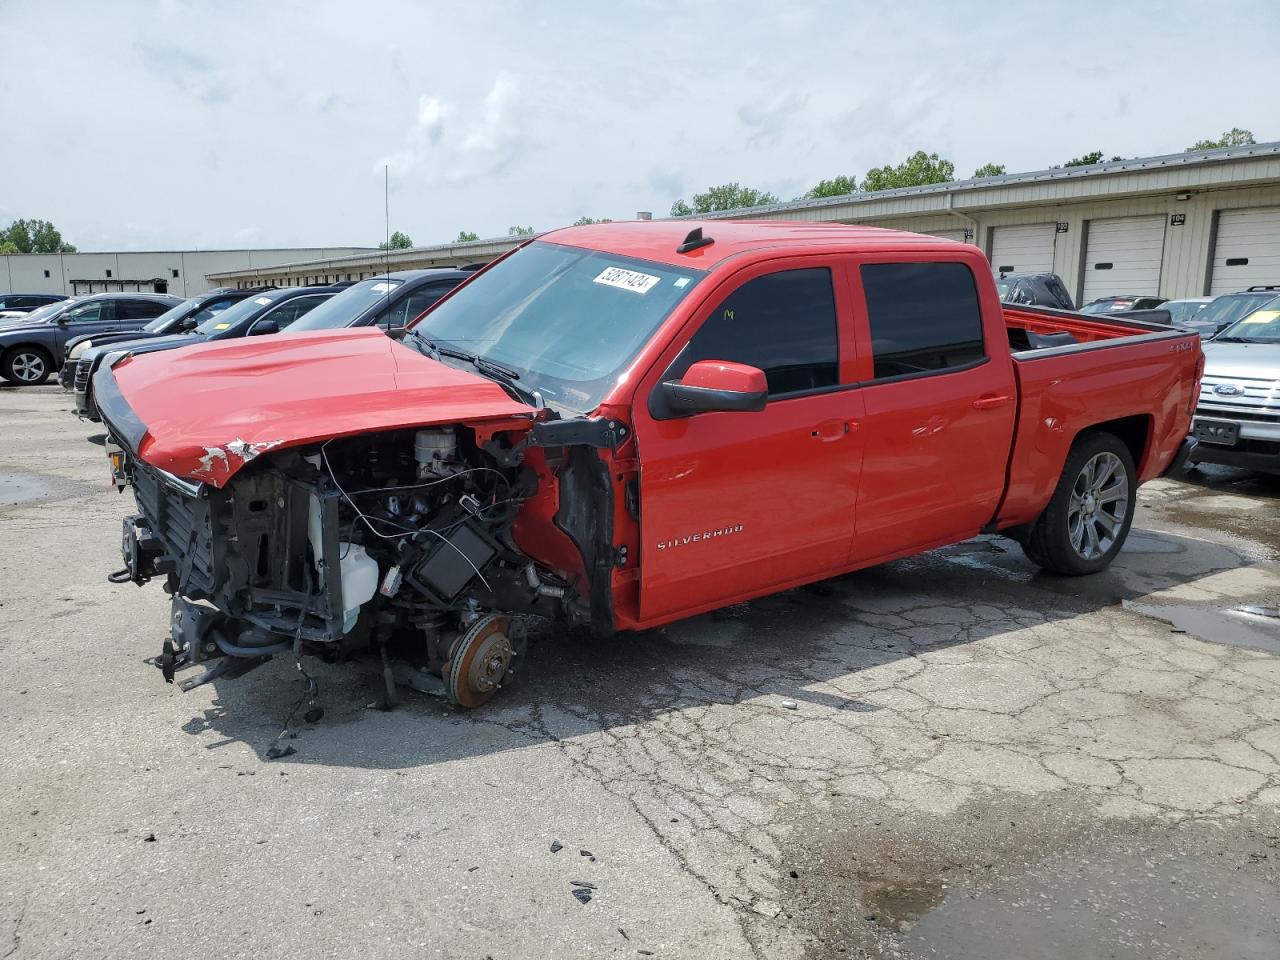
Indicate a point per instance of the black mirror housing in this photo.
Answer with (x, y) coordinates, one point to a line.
(263, 327)
(683, 399)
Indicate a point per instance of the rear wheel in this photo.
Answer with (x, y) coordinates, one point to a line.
(1088, 518)
(26, 366)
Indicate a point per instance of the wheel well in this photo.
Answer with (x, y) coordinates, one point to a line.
(40, 348)
(1134, 432)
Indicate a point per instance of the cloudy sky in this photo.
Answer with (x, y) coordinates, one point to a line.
(174, 124)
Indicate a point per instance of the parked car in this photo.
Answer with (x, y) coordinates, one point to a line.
(1226, 309)
(1183, 312)
(622, 425)
(32, 349)
(1037, 289)
(266, 312)
(186, 315)
(390, 302)
(1237, 421)
(1121, 304)
(20, 304)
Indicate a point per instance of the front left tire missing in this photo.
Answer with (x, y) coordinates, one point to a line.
(26, 366)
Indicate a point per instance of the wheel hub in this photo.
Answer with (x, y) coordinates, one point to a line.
(480, 658)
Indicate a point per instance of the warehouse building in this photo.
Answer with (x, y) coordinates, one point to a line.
(1183, 225)
(181, 272)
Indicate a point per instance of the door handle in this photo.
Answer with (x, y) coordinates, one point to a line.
(991, 402)
(833, 430)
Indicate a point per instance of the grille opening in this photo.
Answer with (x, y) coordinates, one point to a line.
(257, 506)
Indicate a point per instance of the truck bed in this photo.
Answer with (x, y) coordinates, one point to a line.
(1139, 380)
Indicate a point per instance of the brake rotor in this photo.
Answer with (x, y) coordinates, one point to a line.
(480, 659)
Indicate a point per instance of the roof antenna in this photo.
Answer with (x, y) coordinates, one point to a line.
(694, 241)
(386, 257)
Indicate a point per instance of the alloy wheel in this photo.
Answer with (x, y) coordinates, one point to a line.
(1098, 507)
(27, 367)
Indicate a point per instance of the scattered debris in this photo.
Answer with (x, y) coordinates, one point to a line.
(624, 934)
(278, 750)
(588, 854)
(582, 883)
(583, 894)
(149, 838)
(790, 705)
(556, 846)
(472, 869)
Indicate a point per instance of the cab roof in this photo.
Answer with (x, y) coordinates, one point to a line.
(657, 240)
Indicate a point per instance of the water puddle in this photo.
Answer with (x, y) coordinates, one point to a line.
(1126, 905)
(1254, 627)
(18, 488)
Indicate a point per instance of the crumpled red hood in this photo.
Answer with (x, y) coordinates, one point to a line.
(210, 409)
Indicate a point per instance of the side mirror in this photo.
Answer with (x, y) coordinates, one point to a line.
(188, 323)
(264, 326)
(717, 385)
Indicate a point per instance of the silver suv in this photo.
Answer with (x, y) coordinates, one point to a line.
(1237, 421)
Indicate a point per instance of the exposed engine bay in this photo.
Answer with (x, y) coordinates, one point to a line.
(398, 541)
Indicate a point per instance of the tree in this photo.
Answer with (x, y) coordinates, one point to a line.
(1235, 137)
(1088, 160)
(398, 241)
(520, 231)
(989, 170)
(587, 221)
(835, 187)
(466, 236)
(8, 248)
(727, 196)
(35, 236)
(917, 170)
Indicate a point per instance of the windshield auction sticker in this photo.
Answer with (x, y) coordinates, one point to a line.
(627, 279)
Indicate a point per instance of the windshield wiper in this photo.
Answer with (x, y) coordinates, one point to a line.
(490, 368)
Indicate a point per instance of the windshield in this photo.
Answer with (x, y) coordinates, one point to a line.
(231, 316)
(48, 312)
(351, 303)
(1261, 326)
(1180, 311)
(1107, 306)
(177, 313)
(1232, 307)
(567, 320)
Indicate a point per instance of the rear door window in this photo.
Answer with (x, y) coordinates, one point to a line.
(413, 305)
(924, 317)
(784, 323)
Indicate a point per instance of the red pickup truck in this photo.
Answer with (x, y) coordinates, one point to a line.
(622, 425)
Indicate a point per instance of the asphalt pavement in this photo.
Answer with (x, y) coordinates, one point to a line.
(950, 756)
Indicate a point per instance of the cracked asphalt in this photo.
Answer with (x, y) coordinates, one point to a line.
(951, 756)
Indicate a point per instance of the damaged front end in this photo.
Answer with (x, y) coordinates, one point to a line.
(400, 541)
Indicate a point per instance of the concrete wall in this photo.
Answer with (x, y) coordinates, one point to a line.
(55, 272)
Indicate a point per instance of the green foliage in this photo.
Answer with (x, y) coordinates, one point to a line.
(1235, 137)
(990, 170)
(8, 248)
(398, 241)
(727, 196)
(917, 170)
(835, 187)
(587, 221)
(1088, 160)
(520, 231)
(34, 236)
(466, 236)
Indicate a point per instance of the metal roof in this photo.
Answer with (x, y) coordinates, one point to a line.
(1137, 165)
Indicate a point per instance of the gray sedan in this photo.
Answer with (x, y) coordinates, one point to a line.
(31, 348)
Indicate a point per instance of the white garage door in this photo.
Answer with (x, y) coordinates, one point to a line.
(1247, 251)
(1123, 257)
(1026, 248)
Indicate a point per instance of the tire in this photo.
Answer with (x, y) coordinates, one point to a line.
(1089, 515)
(26, 366)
